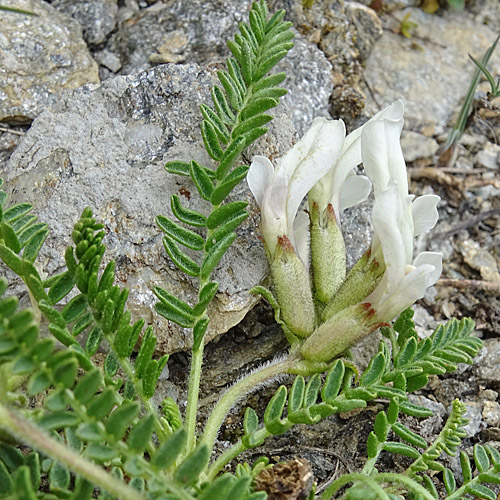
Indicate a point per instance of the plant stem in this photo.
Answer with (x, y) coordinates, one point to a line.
(224, 459)
(20, 428)
(236, 392)
(350, 478)
(192, 398)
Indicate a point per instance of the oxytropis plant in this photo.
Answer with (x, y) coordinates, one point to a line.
(73, 427)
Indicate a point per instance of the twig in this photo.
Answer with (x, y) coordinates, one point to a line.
(10, 131)
(469, 223)
(477, 284)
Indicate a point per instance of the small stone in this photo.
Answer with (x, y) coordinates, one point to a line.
(491, 413)
(108, 60)
(417, 146)
(41, 57)
(96, 17)
(489, 395)
(488, 367)
(480, 259)
(473, 415)
(368, 27)
(488, 157)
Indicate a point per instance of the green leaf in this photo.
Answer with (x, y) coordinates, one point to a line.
(349, 405)
(65, 372)
(401, 449)
(211, 140)
(205, 296)
(222, 231)
(272, 60)
(59, 477)
(12, 260)
(167, 453)
(74, 308)
(172, 314)
(58, 420)
(466, 468)
(257, 107)
(219, 489)
(177, 167)
(247, 126)
(275, 408)
(100, 452)
(481, 458)
(225, 212)
(449, 481)
(247, 59)
(62, 334)
(233, 179)
(415, 383)
(488, 477)
(215, 254)
(146, 351)
(231, 88)
(101, 405)
(10, 238)
(179, 258)
(312, 390)
(296, 396)
(11, 457)
(199, 332)
(22, 484)
(229, 158)
(372, 445)
(140, 436)
(87, 386)
(407, 353)
(16, 211)
(61, 287)
(409, 436)
(217, 121)
(33, 462)
(480, 491)
(34, 245)
(269, 82)
(250, 421)
(186, 215)
(414, 410)
(111, 364)
(150, 378)
(333, 382)
(201, 180)
(381, 427)
(374, 371)
(38, 383)
(93, 340)
(224, 111)
(393, 411)
(189, 470)
(234, 70)
(121, 418)
(180, 234)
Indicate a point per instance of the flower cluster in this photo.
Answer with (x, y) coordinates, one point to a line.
(324, 309)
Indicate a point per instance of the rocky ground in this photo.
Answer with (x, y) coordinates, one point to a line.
(104, 145)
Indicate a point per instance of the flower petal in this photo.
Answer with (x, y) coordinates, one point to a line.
(424, 212)
(259, 177)
(301, 236)
(381, 150)
(355, 190)
(316, 152)
(434, 259)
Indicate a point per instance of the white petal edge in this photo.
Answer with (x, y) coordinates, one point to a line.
(424, 212)
(356, 189)
(259, 177)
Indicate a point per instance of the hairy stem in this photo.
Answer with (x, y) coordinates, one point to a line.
(192, 399)
(235, 393)
(20, 428)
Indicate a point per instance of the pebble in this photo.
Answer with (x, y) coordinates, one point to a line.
(488, 157)
(417, 146)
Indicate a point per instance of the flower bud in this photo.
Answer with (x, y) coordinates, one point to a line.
(340, 332)
(361, 280)
(293, 289)
(327, 253)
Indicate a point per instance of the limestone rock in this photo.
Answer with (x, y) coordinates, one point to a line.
(430, 71)
(96, 17)
(40, 56)
(106, 148)
(417, 146)
(176, 32)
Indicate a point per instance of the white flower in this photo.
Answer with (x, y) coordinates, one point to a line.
(396, 221)
(279, 191)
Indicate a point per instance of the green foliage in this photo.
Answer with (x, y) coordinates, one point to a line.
(238, 118)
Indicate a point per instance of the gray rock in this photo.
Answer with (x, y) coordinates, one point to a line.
(108, 60)
(345, 32)
(488, 367)
(40, 56)
(417, 146)
(430, 72)
(106, 148)
(96, 17)
(488, 157)
(176, 32)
